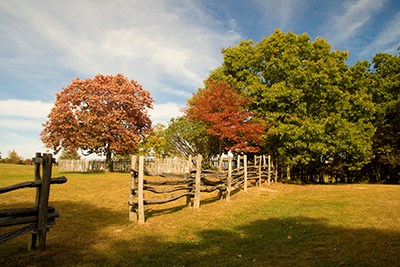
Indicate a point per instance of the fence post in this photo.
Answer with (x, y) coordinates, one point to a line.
(245, 172)
(133, 190)
(269, 169)
(44, 199)
(197, 182)
(259, 172)
(229, 180)
(276, 170)
(190, 164)
(140, 209)
(37, 160)
(134, 162)
(220, 163)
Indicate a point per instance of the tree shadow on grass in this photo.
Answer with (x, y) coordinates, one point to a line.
(69, 241)
(78, 240)
(296, 241)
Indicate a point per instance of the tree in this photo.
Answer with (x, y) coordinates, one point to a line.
(68, 154)
(223, 112)
(13, 158)
(302, 89)
(155, 144)
(186, 137)
(106, 114)
(386, 95)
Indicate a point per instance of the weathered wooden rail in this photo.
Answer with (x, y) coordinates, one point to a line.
(195, 183)
(41, 215)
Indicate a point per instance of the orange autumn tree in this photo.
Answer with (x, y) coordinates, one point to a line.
(104, 115)
(224, 113)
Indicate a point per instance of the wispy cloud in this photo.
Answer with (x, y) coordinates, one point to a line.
(145, 40)
(24, 145)
(282, 13)
(162, 113)
(20, 126)
(388, 40)
(347, 20)
(24, 108)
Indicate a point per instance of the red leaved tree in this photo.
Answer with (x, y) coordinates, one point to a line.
(106, 114)
(223, 111)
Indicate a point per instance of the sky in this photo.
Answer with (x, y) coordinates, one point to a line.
(168, 46)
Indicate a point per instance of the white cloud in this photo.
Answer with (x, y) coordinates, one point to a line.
(282, 11)
(7, 124)
(24, 108)
(162, 113)
(387, 40)
(20, 126)
(26, 147)
(352, 16)
(149, 41)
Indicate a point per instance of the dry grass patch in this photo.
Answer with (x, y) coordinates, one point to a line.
(280, 225)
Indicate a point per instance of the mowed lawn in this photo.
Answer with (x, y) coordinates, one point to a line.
(279, 225)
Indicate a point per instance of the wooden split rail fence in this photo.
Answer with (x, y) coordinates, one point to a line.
(195, 183)
(36, 219)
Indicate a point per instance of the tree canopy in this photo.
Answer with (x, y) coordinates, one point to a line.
(306, 92)
(223, 112)
(385, 79)
(106, 114)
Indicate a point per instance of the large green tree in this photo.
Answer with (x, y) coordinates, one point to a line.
(386, 94)
(304, 90)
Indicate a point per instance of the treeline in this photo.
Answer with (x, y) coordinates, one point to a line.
(322, 118)
(14, 158)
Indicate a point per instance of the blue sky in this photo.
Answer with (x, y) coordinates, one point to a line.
(168, 46)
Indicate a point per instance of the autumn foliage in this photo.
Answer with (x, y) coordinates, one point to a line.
(224, 113)
(106, 114)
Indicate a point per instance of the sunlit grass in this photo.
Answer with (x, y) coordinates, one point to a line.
(280, 225)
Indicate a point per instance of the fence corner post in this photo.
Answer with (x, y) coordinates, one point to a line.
(259, 171)
(140, 209)
(269, 170)
(44, 199)
(37, 160)
(196, 204)
(229, 180)
(132, 193)
(245, 172)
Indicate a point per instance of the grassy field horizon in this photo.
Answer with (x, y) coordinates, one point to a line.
(277, 225)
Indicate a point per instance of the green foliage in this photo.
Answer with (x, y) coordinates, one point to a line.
(318, 107)
(13, 158)
(186, 137)
(155, 144)
(386, 94)
(68, 154)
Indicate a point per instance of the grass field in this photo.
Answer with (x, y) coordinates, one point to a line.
(280, 225)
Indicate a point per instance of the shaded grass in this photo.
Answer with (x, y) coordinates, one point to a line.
(281, 225)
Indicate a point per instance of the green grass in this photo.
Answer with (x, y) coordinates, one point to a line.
(280, 225)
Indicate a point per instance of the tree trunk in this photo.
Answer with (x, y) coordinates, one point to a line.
(108, 161)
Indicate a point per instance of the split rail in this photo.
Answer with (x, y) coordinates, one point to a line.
(36, 219)
(196, 183)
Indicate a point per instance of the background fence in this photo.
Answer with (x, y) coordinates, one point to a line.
(152, 166)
